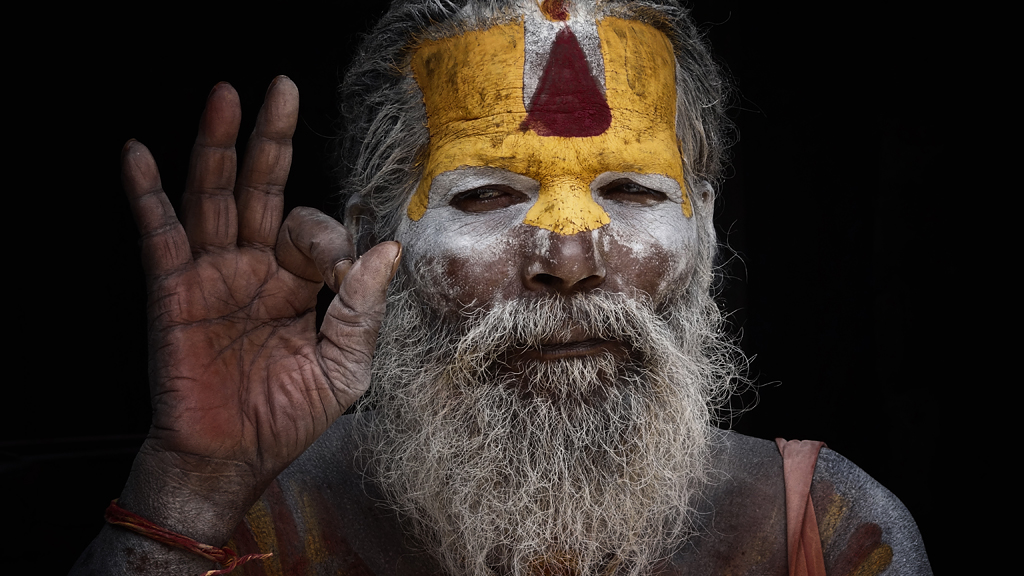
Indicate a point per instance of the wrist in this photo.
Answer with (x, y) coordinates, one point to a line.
(201, 498)
(225, 557)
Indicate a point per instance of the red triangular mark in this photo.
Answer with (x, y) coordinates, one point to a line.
(568, 101)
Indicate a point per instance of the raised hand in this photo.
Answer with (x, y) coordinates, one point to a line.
(241, 383)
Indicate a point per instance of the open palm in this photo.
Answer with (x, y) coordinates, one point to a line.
(241, 382)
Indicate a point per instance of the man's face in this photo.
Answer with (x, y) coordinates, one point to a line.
(571, 186)
(552, 221)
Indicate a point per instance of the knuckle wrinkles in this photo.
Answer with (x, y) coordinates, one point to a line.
(216, 192)
(265, 139)
(201, 147)
(154, 190)
(159, 232)
(266, 189)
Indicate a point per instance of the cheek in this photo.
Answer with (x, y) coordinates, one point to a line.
(461, 260)
(651, 249)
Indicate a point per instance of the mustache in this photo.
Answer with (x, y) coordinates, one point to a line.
(545, 321)
(625, 338)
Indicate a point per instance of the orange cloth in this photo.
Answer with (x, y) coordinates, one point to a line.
(798, 460)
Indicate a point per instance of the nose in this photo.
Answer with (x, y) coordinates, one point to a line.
(564, 264)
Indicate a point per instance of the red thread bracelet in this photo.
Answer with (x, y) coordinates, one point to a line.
(226, 557)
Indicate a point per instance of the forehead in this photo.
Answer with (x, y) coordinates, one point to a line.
(486, 93)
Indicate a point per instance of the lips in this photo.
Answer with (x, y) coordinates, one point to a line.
(574, 344)
(558, 351)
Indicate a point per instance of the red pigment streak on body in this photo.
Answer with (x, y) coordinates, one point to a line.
(291, 549)
(568, 101)
(864, 540)
(335, 543)
(243, 542)
(555, 10)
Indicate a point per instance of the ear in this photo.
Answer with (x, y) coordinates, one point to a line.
(359, 221)
(704, 198)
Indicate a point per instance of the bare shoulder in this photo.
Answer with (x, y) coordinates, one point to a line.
(864, 528)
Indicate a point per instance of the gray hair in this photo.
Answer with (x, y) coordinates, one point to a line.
(384, 124)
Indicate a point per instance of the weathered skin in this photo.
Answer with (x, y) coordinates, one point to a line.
(481, 257)
(472, 237)
(241, 383)
(346, 529)
(243, 387)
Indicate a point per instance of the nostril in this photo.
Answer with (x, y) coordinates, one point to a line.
(590, 282)
(547, 279)
(566, 264)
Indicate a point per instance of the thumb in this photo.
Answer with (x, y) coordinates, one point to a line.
(348, 335)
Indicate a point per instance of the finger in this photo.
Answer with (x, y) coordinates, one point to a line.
(260, 189)
(208, 207)
(350, 328)
(164, 245)
(314, 246)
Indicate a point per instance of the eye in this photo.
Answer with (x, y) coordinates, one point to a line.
(487, 198)
(630, 192)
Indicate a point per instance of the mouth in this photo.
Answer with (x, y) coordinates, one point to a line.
(575, 345)
(558, 351)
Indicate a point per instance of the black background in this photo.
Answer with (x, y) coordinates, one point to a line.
(843, 233)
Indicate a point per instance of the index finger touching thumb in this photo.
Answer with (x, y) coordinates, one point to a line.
(314, 246)
(363, 285)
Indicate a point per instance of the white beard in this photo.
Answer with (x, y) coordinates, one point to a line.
(581, 466)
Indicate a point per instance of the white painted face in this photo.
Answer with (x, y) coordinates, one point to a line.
(507, 208)
(471, 247)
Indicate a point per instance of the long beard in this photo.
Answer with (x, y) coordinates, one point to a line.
(580, 466)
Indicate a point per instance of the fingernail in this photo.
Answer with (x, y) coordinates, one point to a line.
(398, 260)
(340, 271)
(277, 80)
(215, 88)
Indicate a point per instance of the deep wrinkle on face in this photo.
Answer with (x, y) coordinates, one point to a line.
(472, 87)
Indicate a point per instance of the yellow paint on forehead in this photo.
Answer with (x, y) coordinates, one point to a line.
(472, 87)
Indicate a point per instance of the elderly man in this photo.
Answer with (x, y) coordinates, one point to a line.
(533, 181)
